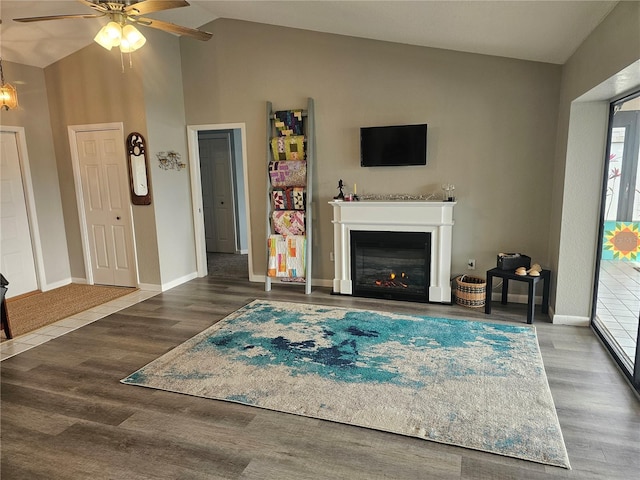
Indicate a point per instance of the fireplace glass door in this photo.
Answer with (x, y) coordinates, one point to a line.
(393, 265)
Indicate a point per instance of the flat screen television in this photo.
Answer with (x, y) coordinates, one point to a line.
(394, 145)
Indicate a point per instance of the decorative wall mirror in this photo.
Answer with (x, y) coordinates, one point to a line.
(138, 169)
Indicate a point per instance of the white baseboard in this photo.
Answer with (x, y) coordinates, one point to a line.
(150, 287)
(82, 281)
(58, 284)
(256, 278)
(571, 320)
(178, 281)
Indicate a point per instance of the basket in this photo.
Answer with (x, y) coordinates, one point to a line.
(471, 291)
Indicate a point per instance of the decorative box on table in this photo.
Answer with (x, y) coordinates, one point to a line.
(511, 261)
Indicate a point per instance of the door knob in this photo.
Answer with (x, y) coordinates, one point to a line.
(117, 218)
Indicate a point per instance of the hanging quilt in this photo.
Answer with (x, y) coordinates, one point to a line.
(288, 148)
(621, 241)
(290, 198)
(288, 222)
(286, 256)
(288, 122)
(292, 173)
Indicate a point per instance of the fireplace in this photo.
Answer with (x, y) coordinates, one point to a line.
(411, 216)
(393, 265)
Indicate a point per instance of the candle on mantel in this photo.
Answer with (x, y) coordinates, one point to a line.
(355, 189)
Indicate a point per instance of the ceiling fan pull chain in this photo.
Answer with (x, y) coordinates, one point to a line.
(122, 61)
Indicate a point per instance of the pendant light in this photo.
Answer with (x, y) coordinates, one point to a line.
(8, 93)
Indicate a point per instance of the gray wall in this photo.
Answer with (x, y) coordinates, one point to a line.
(166, 128)
(611, 48)
(33, 115)
(492, 127)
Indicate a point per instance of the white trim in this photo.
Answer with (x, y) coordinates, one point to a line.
(81, 281)
(30, 203)
(59, 283)
(435, 218)
(73, 131)
(571, 320)
(178, 281)
(150, 287)
(196, 191)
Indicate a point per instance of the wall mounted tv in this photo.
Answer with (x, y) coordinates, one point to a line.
(394, 145)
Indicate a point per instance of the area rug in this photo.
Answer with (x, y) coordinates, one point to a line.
(472, 384)
(35, 311)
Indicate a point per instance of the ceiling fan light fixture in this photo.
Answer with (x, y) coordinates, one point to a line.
(132, 39)
(109, 36)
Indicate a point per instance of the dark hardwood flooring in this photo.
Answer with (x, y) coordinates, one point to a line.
(65, 415)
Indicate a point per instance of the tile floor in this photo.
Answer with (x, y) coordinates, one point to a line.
(9, 348)
(618, 303)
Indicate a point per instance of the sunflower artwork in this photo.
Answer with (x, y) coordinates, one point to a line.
(621, 241)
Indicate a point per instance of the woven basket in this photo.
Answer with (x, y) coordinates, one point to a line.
(471, 291)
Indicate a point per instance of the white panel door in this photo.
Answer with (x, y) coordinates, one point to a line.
(105, 193)
(16, 250)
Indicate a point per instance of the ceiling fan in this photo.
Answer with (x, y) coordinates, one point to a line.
(123, 14)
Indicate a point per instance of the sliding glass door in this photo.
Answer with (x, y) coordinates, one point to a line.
(616, 309)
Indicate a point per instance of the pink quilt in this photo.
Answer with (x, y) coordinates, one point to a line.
(288, 222)
(290, 173)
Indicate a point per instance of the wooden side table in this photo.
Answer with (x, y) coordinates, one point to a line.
(506, 275)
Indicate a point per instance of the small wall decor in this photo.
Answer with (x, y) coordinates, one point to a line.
(138, 169)
(170, 160)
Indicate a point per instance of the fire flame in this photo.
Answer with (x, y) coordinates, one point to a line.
(393, 281)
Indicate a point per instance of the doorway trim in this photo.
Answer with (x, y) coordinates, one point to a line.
(30, 203)
(73, 131)
(196, 191)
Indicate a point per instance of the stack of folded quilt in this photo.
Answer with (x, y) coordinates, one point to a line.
(288, 176)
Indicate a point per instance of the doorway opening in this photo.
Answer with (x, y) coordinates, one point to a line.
(21, 248)
(217, 155)
(616, 309)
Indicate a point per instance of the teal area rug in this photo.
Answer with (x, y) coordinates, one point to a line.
(472, 384)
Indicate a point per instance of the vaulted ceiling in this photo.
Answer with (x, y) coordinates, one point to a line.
(544, 31)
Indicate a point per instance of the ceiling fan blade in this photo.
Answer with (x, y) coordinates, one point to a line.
(148, 6)
(94, 5)
(173, 28)
(58, 17)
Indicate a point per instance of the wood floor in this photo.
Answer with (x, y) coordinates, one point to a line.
(66, 416)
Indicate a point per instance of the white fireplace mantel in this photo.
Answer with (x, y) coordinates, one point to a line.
(395, 216)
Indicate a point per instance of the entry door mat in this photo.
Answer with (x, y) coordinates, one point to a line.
(472, 384)
(44, 308)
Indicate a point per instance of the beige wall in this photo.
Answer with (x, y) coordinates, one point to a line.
(33, 115)
(612, 47)
(90, 87)
(492, 126)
